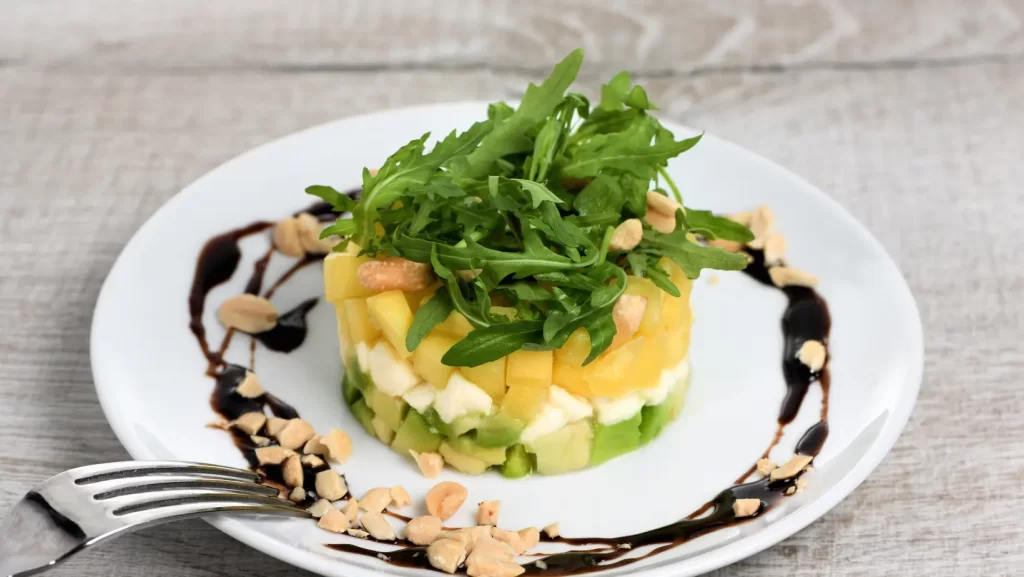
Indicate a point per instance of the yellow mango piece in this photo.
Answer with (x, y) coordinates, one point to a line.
(575, 350)
(570, 378)
(676, 345)
(649, 360)
(340, 277)
(392, 314)
(652, 321)
(456, 325)
(524, 402)
(357, 318)
(613, 373)
(420, 297)
(426, 359)
(345, 343)
(529, 368)
(489, 377)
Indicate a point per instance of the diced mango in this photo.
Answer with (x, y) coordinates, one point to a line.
(345, 343)
(357, 319)
(392, 314)
(418, 298)
(648, 362)
(575, 350)
(677, 343)
(570, 378)
(455, 325)
(524, 402)
(341, 280)
(652, 320)
(489, 377)
(613, 374)
(529, 368)
(426, 359)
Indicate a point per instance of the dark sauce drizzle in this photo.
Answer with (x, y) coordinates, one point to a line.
(806, 318)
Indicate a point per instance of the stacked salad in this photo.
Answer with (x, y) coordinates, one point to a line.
(517, 296)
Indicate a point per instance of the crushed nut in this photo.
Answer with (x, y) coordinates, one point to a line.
(330, 485)
(812, 354)
(514, 539)
(484, 566)
(801, 484)
(791, 490)
(320, 508)
(746, 507)
(377, 526)
(358, 533)
(765, 467)
(272, 455)
(530, 537)
(446, 555)
(726, 245)
(627, 314)
(662, 204)
(352, 510)
(791, 468)
(400, 497)
(295, 434)
(376, 500)
(430, 464)
(660, 222)
(627, 235)
(774, 249)
(309, 235)
(444, 499)
(784, 276)
(395, 273)
(248, 313)
(292, 472)
(286, 238)
(488, 546)
(741, 217)
(762, 221)
(250, 386)
(334, 521)
(275, 425)
(423, 530)
(313, 461)
(468, 536)
(259, 441)
(297, 495)
(552, 531)
(339, 446)
(250, 423)
(487, 512)
(314, 447)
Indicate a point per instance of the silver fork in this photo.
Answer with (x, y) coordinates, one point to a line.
(85, 506)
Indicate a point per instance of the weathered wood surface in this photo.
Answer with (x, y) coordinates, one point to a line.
(911, 114)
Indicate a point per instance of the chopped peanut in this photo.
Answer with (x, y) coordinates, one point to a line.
(297, 495)
(662, 204)
(801, 484)
(446, 555)
(250, 386)
(468, 536)
(314, 447)
(488, 546)
(774, 249)
(330, 485)
(660, 222)
(552, 530)
(295, 434)
(352, 510)
(627, 314)
(423, 530)
(762, 221)
(313, 461)
(286, 238)
(746, 507)
(487, 513)
(783, 276)
(395, 273)
(627, 235)
(272, 455)
(377, 526)
(339, 446)
(726, 245)
(514, 539)
(259, 440)
(334, 521)
(792, 467)
(308, 228)
(530, 537)
(400, 497)
(251, 423)
(484, 566)
(320, 508)
(430, 464)
(358, 533)
(248, 313)
(812, 354)
(444, 499)
(376, 500)
(275, 425)
(293, 471)
(765, 467)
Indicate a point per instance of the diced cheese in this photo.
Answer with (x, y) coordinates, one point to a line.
(575, 408)
(658, 394)
(363, 356)
(391, 374)
(461, 397)
(421, 397)
(611, 411)
(550, 419)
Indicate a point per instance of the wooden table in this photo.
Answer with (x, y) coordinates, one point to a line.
(909, 113)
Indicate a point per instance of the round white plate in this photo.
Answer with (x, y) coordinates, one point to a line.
(149, 370)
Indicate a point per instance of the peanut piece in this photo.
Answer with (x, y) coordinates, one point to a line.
(483, 566)
(250, 386)
(627, 314)
(314, 447)
(514, 539)
(741, 217)
(400, 497)
(762, 221)
(423, 530)
(351, 510)
(313, 461)
(446, 555)
(395, 273)
(444, 499)
(259, 440)
(662, 204)
(627, 235)
(376, 500)
(488, 546)
(295, 434)
(275, 425)
(746, 507)
(339, 446)
(468, 536)
(530, 537)
(334, 521)
(320, 508)
(765, 467)
(286, 238)
(812, 354)
(783, 276)
(801, 484)
(309, 235)
(552, 530)
(292, 472)
(487, 513)
(248, 313)
(330, 485)
(272, 455)
(791, 468)
(774, 249)
(250, 423)
(662, 223)
(430, 464)
(297, 495)
(358, 533)
(377, 526)
(726, 245)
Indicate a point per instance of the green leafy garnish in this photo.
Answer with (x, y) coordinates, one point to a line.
(519, 210)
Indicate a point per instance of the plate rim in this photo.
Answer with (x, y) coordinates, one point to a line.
(701, 562)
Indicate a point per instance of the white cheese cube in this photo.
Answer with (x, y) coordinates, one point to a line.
(421, 397)
(611, 411)
(461, 397)
(575, 408)
(549, 420)
(391, 374)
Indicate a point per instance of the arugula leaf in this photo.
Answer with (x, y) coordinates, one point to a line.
(428, 316)
(661, 279)
(634, 155)
(538, 192)
(492, 343)
(692, 257)
(706, 224)
(339, 202)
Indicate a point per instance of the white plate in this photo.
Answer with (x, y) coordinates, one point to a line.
(149, 370)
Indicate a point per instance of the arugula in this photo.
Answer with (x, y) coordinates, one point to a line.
(519, 210)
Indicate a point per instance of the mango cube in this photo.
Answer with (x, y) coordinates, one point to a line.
(575, 350)
(524, 402)
(455, 325)
(426, 359)
(570, 378)
(676, 345)
(489, 377)
(392, 314)
(649, 361)
(529, 368)
(341, 279)
(613, 374)
(357, 319)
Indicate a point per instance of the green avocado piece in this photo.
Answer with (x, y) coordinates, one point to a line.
(382, 430)
(653, 420)
(613, 440)
(489, 455)
(462, 462)
(415, 434)
(565, 450)
(518, 463)
(389, 409)
(364, 415)
(459, 426)
(498, 430)
(349, 390)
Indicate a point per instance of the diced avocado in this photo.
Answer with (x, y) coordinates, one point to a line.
(459, 426)
(653, 420)
(518, 463)
(415, 434)
(489, 455)
(498, 430)
(465, 424)
(677, 398)
(354, 373)
(389, 409)
(613, 440)
(435, 423)
(382, 430)
(364, 415)
(565, 450)
(349, 390)
(463, 463)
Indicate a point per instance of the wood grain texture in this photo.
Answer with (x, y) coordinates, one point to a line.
(910, 114)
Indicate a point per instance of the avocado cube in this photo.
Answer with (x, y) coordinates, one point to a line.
(364, 415)
(498, 430)
(613, 440)
(415, 434)
(489, 455)
(653, 420)
(518, 463)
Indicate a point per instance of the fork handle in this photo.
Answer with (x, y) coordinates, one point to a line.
(35, 536)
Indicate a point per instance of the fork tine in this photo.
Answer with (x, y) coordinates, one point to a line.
(196, 497)
(136, 486)
(133, 469)
(163, 510)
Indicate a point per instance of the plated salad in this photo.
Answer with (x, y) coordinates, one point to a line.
(517, 295)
